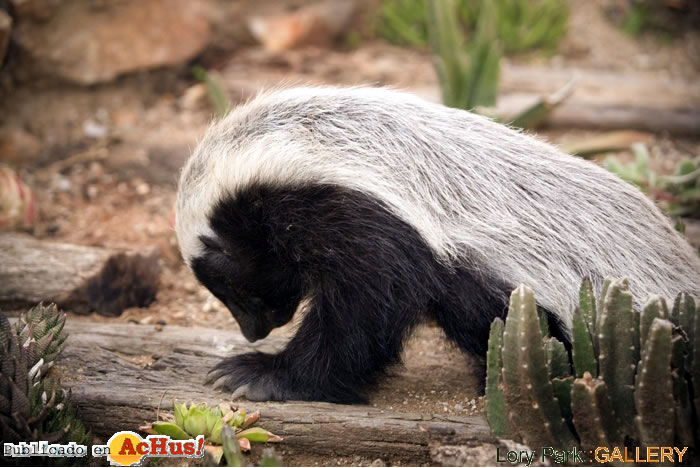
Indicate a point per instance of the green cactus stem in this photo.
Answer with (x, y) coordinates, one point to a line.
(695, 367)
(495, 400)
(528, 391)
(655, 410)
(582, 344)
(618, 350)
(594, 416)
(544, 322)
(562, 393)
(557, 358)
(683, 315)
(655, 308)
(682, 409)
(587, 304)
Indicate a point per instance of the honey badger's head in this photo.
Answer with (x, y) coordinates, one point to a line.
(237, 264)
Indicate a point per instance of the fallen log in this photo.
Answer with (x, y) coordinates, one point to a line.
(119, 374)
(583, 111)
(602, 100)
(79, 278)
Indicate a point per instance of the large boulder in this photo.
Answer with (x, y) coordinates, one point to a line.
(93, 41)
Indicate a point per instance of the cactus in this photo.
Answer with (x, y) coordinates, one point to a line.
(33, 406)
(594, 417)
(617, 351)
(530, 400)
(655, 410)
(494, 393)
(636, 373)
(582, 349)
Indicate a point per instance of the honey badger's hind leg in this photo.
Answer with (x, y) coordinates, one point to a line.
(471, 303)
(369, 277)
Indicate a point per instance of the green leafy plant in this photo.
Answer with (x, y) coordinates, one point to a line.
(520, 25)
(470, 79)
(678, 194)
(630, 381)
(665, 18)
(218, 97)
(33, 406)
(232, 451)
(213, 423)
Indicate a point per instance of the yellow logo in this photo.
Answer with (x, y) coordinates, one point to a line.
(127, 448)
(123, 449)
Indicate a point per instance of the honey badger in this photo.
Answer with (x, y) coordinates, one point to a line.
(380, 210)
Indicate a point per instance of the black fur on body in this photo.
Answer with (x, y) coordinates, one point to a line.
(369, 274)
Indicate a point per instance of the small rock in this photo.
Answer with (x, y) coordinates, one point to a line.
(459, 407)
(91, 191)
(316, 24)
(143, 188)
(146, 320)
(95, 171)
(94, 129)
(194, 97)
(378, 462)
(63, 183)
(209, 305)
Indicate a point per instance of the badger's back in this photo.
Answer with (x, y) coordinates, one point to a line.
(511, 207)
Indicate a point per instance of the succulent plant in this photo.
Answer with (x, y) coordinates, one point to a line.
(32, 404)
(630, 380)
(213, 422)
(232, 452)
(678, 194)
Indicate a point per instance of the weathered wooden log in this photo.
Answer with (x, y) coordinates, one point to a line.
(602, 100)
(119, 374)
(583, 111)
(78, 278)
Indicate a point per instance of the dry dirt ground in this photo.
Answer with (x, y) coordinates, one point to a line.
(107, 171)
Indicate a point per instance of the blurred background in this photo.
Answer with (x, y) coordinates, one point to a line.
(101, 102)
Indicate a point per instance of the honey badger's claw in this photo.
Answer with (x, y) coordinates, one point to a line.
(251, 376)
(241, 391)
(219, 383)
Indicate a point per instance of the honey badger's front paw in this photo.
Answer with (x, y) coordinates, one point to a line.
(254, 376)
